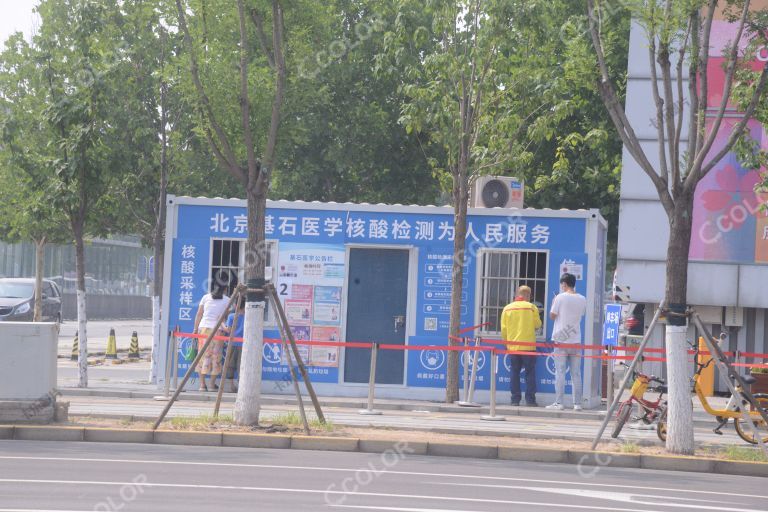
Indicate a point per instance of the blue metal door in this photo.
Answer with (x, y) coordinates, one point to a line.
(377, 300)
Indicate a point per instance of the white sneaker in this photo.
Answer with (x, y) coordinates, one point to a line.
(576, 407)
(556, 406)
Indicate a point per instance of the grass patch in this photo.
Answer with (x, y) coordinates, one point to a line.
(629, 447)
(742, 453)
(293, 419)
(202, 421)
(287, 419)
(327, 426)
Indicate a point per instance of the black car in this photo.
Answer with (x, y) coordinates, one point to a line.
(17, 300)
(635, 321)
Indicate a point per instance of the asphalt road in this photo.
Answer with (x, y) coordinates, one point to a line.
(38, 476)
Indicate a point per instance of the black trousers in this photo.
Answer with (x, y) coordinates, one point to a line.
(518, 363)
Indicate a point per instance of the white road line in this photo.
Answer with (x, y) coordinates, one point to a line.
(624, 497)
(385, 472)
(326, 493)
(399, 509)
(39, 510)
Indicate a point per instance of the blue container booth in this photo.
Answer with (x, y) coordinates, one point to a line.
(364, 272)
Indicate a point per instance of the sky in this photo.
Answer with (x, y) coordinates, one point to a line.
(16, 16)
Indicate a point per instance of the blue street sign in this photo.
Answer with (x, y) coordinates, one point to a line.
(611, 324)
(141, 269)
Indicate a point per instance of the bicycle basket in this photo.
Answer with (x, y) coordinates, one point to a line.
(639, 387)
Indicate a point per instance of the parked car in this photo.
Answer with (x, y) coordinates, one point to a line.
(634, 323)
(17, 300)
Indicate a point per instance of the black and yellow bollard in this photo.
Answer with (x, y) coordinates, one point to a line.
(111, 346)
(75, 348)
(133, 350)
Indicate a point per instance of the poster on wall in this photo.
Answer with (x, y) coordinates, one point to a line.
(310, 280)
(325, 356)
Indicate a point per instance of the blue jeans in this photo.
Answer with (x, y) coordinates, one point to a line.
(570, 358)
(528, 363)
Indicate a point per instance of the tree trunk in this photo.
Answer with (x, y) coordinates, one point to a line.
(82, 359)
(248, 402)
(680, 413)
(39, 269)
(158, 241)
(460, 200)
(157, 288)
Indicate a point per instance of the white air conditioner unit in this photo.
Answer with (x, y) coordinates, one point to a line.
(497, 192)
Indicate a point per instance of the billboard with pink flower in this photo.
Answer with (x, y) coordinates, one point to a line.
(730, 223)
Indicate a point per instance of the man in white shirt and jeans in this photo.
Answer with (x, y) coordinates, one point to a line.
(567, 309)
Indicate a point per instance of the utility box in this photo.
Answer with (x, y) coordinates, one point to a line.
(28, 371)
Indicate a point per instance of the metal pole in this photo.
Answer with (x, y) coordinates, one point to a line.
(227, 360)
(610, 377)
(194, 364)
(168, 361)
(628, 375)
(469, 399)
(175, 356)
(372, 382)
(465, 360)
(494, 377)
(296, 389)
(302, 369)
(291, 369)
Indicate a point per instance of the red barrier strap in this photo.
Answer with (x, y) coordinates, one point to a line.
(753, 355)
(472, 328)
(462, 348)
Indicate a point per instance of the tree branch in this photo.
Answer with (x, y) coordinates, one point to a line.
(757, 95)
(225, 154)
(702, 66)
(277, 102)
(733, 58)
(681, 102)
(658, 101)
(669, 109)
(263, 41)
(619, 118)
(245, 103)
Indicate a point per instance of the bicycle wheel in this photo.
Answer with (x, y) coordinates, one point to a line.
(745, 431)
(624, 413)
(661, 427)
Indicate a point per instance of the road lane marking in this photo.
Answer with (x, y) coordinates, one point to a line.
(386, 471)
(400, 509)
(39, 510)
(639, 499)
(323, 492)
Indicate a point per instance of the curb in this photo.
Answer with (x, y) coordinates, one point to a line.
(427, 430)
(346, 444)
(278, 400)
(330, 444)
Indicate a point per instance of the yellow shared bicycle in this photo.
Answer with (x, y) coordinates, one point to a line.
(723, 415)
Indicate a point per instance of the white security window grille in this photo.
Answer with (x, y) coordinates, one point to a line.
(500, 274)
(228, 264)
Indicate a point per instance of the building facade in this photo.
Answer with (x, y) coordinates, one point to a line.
(728, 259)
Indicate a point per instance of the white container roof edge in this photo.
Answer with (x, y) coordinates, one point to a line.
(592, 213)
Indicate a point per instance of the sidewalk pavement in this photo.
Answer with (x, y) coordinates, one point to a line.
(115, 402)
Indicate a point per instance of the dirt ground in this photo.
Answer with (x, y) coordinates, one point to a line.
(206, 424)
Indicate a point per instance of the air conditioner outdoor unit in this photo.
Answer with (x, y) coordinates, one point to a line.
(497, 192)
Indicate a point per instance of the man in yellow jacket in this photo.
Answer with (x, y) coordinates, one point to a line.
(519, 322)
